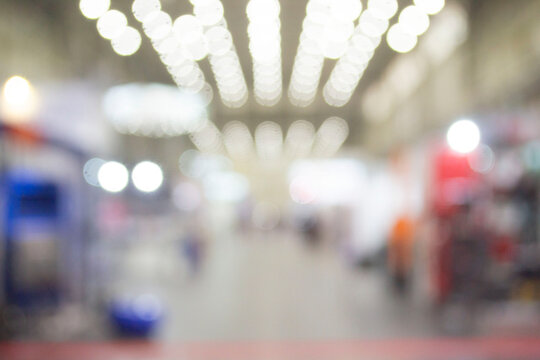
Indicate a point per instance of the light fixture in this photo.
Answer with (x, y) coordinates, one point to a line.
(19, 100)
(155, 110)
(265, 47)
(238, 140)
(157, 25)
(413, 21)
(400, 39)
(463, 136)
(111, 24)
(147, 176)
(326, 31)
(113, 176)
(350, 68)
(430, 7)
(208, 138)
(209, 12)
(268, 140)
(406, 72)
(127, 42)
(330, 137)
(299, 139)
(142, 8)
(93, 9)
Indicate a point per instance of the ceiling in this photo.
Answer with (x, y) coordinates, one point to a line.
(51, 40)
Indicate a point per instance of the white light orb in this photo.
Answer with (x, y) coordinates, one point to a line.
(463, 136)
(142, 8)
(334, 49)
(187, 28)
(92, 9)
(113, 176)
(219, 40)
(263, 11)
(400, 40)
(111, 24)
(127, 43)
(483, 160)
(346, 10)
(383, 9)
(371, 25)
(430, 7)
(207, 95)
(91, 169)
(157, 25)
(19, 100)
(147, 176)
(414, 20)
(209, 12)
(265, 52)
(166, 46)
(257, 30)
(338, 31)
(196, 50)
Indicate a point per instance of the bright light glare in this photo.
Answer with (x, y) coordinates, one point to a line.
(463, 136)
(430, 7)
(92, 9)
(157, 25)
(18, 99)
(209, 12)
(147, 176)
(142, 8)
(262, 10)
(383, 9)
(17, 90)
(127, 43)
(111, 24)
(400, 40)
(346, 10)
(265, 48)
(113, 176)
(414, 20)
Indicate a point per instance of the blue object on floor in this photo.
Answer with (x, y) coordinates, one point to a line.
(137, 317)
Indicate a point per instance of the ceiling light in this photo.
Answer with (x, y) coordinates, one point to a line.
(127, 43)
(93, 9)
(430, 7)
(111, 24)
(157, 25)
(400, 40)
(463, 136)
(113, 176)
(414, 20)
(19, 101)
(142, 8)
(147, 176)
(209, 12)
(383, 9)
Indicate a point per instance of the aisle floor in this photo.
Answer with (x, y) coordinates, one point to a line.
(274, 287)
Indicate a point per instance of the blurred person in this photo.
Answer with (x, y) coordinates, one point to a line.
(193, 246)
(311, 228)
(400, 252)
